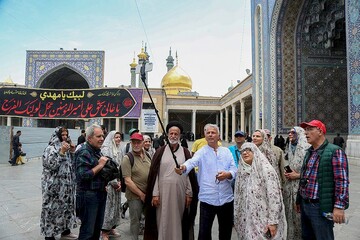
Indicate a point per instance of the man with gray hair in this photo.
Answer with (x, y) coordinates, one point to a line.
(216, 172)
(90, 190)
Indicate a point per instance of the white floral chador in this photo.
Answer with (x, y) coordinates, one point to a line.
(265, 148)
(113, 199)
(257, 199)
(295, 155)
(58, 189)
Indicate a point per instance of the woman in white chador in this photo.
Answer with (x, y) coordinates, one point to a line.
(258, 203)
(294, 159)
(112, 148)
(261, 140)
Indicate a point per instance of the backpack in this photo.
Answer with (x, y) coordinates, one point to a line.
(127, 148)
(131, 159)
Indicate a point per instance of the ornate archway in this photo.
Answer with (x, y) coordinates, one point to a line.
(63, 69)
(63, 77)
(310, 66)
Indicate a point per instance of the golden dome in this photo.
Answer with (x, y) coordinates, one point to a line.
(142, 55)
(8, 80)
(133, 64)
(176, 80)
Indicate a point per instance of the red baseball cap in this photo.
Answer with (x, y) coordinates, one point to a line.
(314, 123)
(137, 136)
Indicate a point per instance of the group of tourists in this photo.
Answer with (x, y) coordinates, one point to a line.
(299, 195)
(255, 187)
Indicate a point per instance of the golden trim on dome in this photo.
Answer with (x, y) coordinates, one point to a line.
(8, 80)
(142, 55)
(133, 64)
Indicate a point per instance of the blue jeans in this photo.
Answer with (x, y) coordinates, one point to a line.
(313, 225)
(91, 210)
(225, 219)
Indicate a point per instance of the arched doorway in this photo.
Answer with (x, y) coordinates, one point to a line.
(62, 77)
(311, 71)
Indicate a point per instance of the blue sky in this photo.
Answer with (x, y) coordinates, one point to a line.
(213, 38)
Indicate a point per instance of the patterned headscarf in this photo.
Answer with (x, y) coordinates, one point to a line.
(265, 148)
(52, 150)
(110, 149)
(259, 160)
(151, 150)
(296, 153)
(55, 138)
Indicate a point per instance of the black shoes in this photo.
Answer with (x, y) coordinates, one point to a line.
(123, 210)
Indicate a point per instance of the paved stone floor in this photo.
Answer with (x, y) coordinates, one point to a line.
(20, 205)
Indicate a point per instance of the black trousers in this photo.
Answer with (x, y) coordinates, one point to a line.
(224, 215)
(16, 155)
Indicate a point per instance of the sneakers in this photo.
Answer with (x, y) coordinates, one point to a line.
(70, 236)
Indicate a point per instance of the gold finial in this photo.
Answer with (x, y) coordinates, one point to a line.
(133, 64)
(142, 55)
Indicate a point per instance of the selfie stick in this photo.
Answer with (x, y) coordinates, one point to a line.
(143, 78)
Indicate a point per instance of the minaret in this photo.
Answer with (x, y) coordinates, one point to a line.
(169, 61)
(133, 73)
(143, 57)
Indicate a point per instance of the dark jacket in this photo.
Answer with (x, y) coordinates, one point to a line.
(86, 158)
(81, 139)
(16, 141)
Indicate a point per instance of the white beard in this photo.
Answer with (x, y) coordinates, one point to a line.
(173, 141)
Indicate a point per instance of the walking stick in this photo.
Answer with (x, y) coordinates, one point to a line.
(143, 79)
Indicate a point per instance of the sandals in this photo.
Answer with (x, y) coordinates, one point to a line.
(104, 235)
(114, 233)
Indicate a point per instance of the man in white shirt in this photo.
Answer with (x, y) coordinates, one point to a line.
(216, 171)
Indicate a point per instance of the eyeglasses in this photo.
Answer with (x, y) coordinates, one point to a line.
(245, 150)
(291, 132)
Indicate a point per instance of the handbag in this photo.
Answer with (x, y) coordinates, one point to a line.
(110, 171)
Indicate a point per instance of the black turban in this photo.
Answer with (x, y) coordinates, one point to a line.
(174, 124)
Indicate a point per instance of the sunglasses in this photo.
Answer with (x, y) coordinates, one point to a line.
(291, 132)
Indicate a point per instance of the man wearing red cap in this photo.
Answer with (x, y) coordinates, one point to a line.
(324, 184)
(136, 176)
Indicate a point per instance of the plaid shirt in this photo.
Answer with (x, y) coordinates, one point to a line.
(341, 178)
(86, 158)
